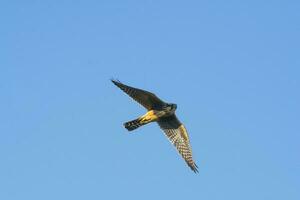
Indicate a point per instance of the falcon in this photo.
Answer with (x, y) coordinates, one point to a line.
(164, 114)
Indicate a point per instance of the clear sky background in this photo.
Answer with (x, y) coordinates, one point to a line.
(232, 67)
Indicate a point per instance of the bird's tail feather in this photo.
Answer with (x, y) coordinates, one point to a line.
(134, 124)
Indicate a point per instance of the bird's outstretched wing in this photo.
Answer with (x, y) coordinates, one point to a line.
(147, 99)
(178, 136)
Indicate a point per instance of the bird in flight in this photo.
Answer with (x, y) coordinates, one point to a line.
(164, 114)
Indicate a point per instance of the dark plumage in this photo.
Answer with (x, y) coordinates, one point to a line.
(164, 114)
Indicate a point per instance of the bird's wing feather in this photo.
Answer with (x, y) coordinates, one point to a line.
(178, 136)
(145, 98)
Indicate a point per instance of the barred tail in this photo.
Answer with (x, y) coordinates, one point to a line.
(134, 124)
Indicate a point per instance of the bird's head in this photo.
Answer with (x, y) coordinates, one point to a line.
(172, 106)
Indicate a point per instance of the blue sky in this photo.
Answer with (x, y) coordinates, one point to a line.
(232, 67)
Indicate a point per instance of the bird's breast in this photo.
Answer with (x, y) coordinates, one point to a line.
(163, 113)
